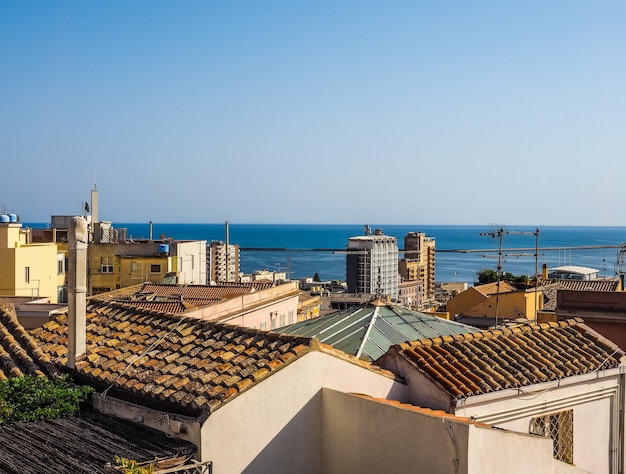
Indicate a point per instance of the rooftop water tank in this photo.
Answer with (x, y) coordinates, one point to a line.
(164, 248)
(4, 218)
(13, 218)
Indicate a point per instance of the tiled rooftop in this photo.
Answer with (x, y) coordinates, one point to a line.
(197, 293)
(176, 299)
(19, 353)
(550, 290)
(169, 305)
(488, 361)
(185, 361)
(304, 296)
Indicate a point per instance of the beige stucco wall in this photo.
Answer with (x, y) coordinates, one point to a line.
(500, 452)
(277, 425)
(252, 309)
(365, 436)
(594, 400)
(422, 391)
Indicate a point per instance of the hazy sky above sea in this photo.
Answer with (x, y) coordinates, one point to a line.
(358, 111)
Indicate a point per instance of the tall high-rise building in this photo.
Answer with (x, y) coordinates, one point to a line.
(419, 262)
(223, 261)
(372, 264)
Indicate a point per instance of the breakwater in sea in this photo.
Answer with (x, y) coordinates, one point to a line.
(461, 251)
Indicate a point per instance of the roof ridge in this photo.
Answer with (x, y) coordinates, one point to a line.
(419, 409)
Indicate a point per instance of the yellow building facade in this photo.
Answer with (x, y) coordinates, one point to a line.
(29, 269)
(482, 301)
(117, 265)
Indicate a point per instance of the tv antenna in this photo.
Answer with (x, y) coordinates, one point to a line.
(497, 234)
(536, 234)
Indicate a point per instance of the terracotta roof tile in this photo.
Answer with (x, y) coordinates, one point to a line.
(472, 364)
(19, 353)
(189, 362)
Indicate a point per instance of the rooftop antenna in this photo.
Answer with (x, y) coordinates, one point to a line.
(499, 234)
(536, 234)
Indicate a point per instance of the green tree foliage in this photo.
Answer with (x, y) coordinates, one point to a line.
(487, 275)
(130, 466)
(316, 277)
(33, 398)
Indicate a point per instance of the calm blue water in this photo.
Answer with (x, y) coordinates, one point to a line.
(561, 242)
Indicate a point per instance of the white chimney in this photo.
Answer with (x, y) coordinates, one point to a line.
(77, 290)
(94, 206)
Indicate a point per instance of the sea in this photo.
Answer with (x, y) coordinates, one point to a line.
(302, 250)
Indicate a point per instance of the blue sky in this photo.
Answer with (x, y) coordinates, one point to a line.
(315, 112)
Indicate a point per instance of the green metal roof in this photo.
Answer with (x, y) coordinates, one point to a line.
(367, 331)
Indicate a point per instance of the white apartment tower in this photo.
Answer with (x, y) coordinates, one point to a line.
(372, 264)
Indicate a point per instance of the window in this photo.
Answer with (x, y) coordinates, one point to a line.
(155, 268)
(134, 266)
(282, 319)
(27, 274)
(106, 265)
(60, 265)
(291, 316)
(560, 428)
(273, 317)
(263, 326)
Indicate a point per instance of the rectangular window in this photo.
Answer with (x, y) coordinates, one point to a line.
(60, 265)
(560, 428)
(27, 274)
(273, 318)
(106, 265)
(155, 268)
(282, 319)
(263, 326)
(134, 266)
(291, 316)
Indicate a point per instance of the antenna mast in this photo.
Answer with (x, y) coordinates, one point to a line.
(500, 235)
(536, 234)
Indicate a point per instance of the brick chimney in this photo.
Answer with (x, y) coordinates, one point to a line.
(77, 290)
